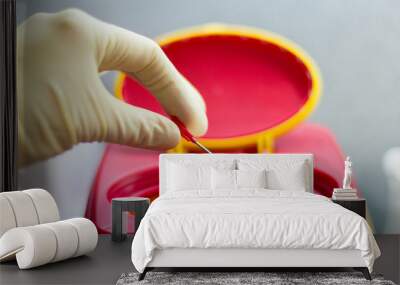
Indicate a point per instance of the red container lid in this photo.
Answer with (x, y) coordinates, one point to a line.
(254, 83)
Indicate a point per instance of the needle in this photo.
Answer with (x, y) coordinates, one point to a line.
(202, 146)
(187, 135)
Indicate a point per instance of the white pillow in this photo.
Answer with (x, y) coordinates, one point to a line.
(223, 179)
(235, 179)
(292, 179)
(282, 174)
(251, 178)
(181, 177)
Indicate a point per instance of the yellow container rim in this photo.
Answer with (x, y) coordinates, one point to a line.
(251, 140)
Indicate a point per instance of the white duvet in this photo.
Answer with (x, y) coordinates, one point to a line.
(250, 219)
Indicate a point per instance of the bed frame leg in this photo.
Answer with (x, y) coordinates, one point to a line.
(143, 274)
(364, 271)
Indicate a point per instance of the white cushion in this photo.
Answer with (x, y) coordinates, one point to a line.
(87, 234)
(251, 178)
(289, 174)
(45, 205)
(67, 238)
(182, 177)
(7, 218)
(26, 208)
(23, 208)
(226, 179)
(289, 179)
(40, 244)
(34, 244)
(223, 179)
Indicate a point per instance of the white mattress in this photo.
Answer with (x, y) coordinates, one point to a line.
(259, 219)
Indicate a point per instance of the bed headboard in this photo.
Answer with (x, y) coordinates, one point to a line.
(165, 158)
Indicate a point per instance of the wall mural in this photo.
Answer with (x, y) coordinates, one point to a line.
(258, 88)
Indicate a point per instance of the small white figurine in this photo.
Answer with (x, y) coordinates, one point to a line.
(347, 173)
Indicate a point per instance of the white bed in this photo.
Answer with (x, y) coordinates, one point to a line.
(200, 223)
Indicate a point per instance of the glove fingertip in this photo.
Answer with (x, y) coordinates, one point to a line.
(200, 126)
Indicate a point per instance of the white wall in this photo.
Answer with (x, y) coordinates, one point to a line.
(68, 177)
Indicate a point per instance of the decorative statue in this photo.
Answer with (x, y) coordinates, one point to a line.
(347, 173)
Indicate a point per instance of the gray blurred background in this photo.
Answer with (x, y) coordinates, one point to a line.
(356, 44)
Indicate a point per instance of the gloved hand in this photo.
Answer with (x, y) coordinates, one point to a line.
(62, 101)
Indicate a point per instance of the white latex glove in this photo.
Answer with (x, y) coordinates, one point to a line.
(62, 101)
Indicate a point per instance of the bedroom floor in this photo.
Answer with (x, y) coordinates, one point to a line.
(110, 260)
